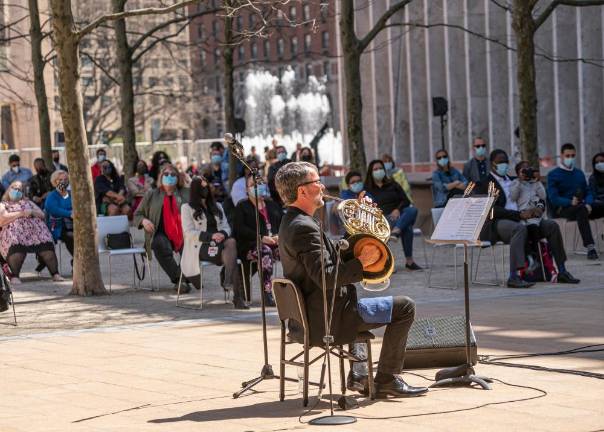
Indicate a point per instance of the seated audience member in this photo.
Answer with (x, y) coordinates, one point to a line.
(214, 173)
(139, 184)
(16, 173)
(528, 193)
(56, 162)
(596, 185)
(224, 164)
(245, 232)
(206, 236)
(101, 156)
(295, 156)
(397, 174)
(159, 215)
(59, 210)
(39, 185)
(307, 155)
(477, 168)
(393, 201)
(446, 180)
(23, 231)
(354, 185)
(239, 189)
(281, 155)
(570, 198)
(158, 159)
(505, 224)
(110, 192)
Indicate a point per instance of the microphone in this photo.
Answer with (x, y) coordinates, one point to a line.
(343, 244)
(234, 145)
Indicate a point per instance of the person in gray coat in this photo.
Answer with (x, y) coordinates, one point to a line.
(477, 168)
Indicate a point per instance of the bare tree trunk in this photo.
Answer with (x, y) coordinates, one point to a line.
(87, 279)
(229, 98)
(38, 64)
(124, 57)
(524, 27)
(352, 86)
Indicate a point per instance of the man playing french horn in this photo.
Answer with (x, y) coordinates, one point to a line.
(300, 188)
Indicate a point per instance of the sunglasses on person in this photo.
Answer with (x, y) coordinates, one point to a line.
(480, 146)
(441, 157)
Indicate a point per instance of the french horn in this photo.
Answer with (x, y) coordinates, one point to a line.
(366, 225)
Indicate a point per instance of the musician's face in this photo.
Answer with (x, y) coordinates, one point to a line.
(312, 189)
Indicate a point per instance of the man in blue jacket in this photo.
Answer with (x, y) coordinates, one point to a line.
(569, 196)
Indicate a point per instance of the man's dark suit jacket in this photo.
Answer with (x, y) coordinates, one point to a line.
(489, 230)
(300, 252)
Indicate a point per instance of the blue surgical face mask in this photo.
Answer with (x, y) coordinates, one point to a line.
(378, 174)
(501, 169)
(15, 195)
(569, 162)
(481, 151)
(600, 167)
(101, 158)
(216, 159)
(169, 180)
(281, 156)
(357, 187)
(443, 162)
(388, 166)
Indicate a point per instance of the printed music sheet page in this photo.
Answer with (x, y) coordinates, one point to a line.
(462, 219)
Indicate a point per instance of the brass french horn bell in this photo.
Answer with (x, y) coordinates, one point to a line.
(366, 225)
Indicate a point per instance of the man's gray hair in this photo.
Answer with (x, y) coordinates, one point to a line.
(289, 177)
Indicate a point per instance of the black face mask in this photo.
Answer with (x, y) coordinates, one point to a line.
(55, 159)
(42, 171)
(107, 170)
(141, 170)
(306, 158)
(205, 192)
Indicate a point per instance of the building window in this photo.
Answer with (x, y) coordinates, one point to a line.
(216, 55)
(239, 23)
(254, 50)
(325, 40)
(327, 70)
(308, 70)
(324, 10)
(307, 43)
(306, 12)
(252, 21)
(217, 85)
(86, 81)
(241, 53)
(280, 47)
(292, 13)
(267, 48)
(152, 81)
(200, 34)
(202, 57)
(293, 45)
(215, 28)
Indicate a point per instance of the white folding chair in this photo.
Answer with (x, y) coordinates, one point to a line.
(117, 225)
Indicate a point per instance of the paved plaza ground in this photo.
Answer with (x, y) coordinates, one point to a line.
(132, 361)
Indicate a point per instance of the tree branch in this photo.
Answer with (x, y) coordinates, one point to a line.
(135, 12)
(555, 3)
(379, 25)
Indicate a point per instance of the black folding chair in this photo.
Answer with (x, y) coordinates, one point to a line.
(6, 295)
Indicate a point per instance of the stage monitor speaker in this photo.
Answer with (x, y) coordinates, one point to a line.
(440, 106)
(439, 342)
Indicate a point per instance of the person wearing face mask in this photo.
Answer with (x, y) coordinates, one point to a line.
(596, 185)
(157, 160)
(101, 156)
(206, 238)
(570, 198)
(477, 168)
(59, 210)
(446, 180)
(245, 233)
(23, 231)
(307, 155)
(354, 186)
(214, 173)
(39, 185)
(159, 215)
(272, 172)
(139, 184)
(110, 192)
(397, 208)
(397, 174)
(16, 173)
(239, 189)
(56, 162)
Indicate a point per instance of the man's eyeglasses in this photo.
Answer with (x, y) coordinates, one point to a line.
(317, 182)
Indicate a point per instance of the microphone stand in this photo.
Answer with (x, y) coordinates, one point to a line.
(267, 369)
(330, 419)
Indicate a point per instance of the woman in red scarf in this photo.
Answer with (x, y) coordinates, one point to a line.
(159, 215)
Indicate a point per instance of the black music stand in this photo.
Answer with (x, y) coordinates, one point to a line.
(461, 223)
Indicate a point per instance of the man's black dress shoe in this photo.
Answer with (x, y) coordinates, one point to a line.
(240, 304)
(519, 283)
(398, 388)
(357, 382)
(566, 277)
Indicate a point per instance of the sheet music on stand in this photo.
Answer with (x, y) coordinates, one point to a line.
(462, 220)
